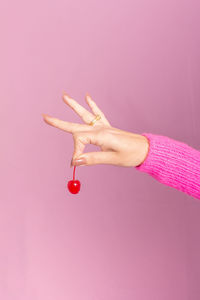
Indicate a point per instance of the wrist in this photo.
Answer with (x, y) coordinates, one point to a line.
(144, 150)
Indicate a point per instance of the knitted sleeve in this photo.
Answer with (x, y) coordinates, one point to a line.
(173, 163)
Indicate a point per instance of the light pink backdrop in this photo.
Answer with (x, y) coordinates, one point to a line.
(125, 236)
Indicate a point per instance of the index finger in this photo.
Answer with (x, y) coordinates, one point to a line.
(63, 125)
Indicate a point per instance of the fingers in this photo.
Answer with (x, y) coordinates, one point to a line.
(66, 126)
(81, 139)
(85, 115)
(79, 146)
(94, 158)
(95, 109)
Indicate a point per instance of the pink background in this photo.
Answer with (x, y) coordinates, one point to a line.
(125, 236)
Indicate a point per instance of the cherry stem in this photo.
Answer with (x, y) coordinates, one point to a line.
(74, 173)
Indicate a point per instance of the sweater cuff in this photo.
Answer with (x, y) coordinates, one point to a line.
(147, 164)
(162, 152)
(173, 163)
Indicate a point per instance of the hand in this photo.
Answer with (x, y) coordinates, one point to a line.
(118, 147)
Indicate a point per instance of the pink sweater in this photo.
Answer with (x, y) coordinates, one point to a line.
(173, 163)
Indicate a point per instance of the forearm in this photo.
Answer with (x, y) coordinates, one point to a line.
(173, 163)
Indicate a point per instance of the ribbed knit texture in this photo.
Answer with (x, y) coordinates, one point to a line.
(173, 163)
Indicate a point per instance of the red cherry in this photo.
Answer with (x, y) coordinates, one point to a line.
(74, 185)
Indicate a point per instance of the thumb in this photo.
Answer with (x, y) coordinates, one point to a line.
(94, 158)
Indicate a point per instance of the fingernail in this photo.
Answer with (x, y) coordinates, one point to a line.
(79, 162)
(46, 116)
(66, 95)
(88, 96)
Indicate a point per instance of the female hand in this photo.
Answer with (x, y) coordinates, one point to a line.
(118, 147)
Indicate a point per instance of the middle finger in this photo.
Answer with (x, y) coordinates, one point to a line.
(85, 115)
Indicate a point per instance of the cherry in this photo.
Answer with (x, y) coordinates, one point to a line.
(74, 185)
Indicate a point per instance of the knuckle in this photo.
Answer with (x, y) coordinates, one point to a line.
(98, 132)
(102, 131)
(76, 136)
